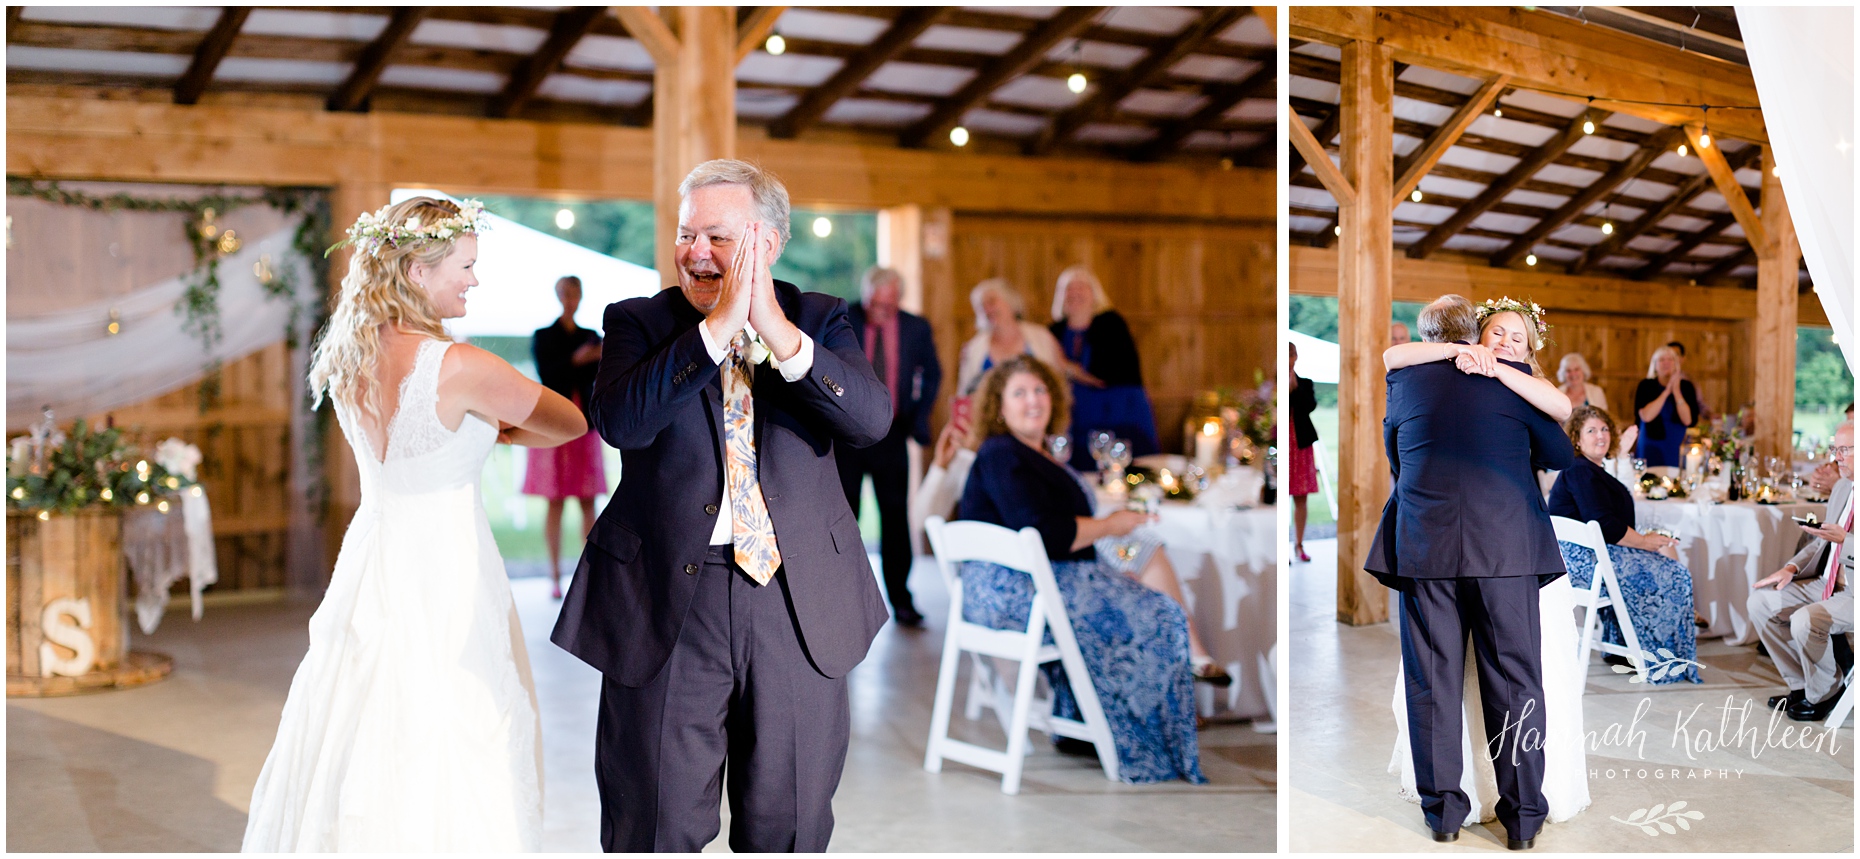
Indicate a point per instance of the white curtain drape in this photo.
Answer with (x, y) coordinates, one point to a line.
(1803, 60)
(69, 361)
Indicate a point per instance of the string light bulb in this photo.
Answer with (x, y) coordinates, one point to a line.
(1608, 228)
(1530, 259)
(1076, 82)
(776, 45)
(823, 227)
(1498, 112)
(1704, 139)
(1682, 150)
(1588, 126)
(564, 219)
(1416, 196)
(1337, 230)
(959, 136)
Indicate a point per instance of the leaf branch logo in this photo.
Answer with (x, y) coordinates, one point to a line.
(1668, 663)
(1653, 821)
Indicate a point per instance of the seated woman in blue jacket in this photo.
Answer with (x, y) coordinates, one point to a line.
(1656, 588)
(1134, 640)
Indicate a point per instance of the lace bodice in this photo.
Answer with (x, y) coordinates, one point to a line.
(422, 455)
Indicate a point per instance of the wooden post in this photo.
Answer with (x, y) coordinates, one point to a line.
(1773, 341)
(901, 246)
(1365, 282)
(693, 103)
(340, 470)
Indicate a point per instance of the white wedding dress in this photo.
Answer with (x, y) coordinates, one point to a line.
(1566, 772)
(411, 724)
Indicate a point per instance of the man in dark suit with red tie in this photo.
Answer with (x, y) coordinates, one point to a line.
(724, 592)
(1466, 539)
(903, 355)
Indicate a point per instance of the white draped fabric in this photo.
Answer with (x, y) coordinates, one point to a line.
(68, 360)
(1803, 60)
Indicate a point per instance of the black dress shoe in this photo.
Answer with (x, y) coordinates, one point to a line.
(1445, 837)
(1807, 712)
(1071, 746)
(1515, 844)
(1786, 702)
(909, 617)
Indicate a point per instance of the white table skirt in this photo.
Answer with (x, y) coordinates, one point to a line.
(1728, 547)
(1226, 560)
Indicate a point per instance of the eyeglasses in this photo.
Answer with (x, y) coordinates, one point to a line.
(1843, 450)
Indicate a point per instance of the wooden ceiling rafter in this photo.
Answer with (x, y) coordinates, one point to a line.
(1114, 88)
(1678, 252)
(1681, 196)
(213, 48)
(1221, 98)
(1032, 48)
(1517, 175)
(896, 39)
(1418, 163)
(360, 84)
(567, 31)
(754, 26)
(1656, 145)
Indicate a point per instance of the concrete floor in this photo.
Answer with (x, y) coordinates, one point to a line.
(1344, 799)
(170, 767)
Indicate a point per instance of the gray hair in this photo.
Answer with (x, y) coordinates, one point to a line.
(876, 275)
(1447, 319)
(1001, 287)
(1653, 363)
(1562, 368)
(1099, 301)
(769, 194)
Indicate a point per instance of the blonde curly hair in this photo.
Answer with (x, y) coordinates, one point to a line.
(378, 290)
(988, 421)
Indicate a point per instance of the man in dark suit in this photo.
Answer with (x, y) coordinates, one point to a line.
(903, 355)
(724, 592)
(1466, 540)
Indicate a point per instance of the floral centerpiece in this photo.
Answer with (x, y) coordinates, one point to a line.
(52, 472)
(1725, 438)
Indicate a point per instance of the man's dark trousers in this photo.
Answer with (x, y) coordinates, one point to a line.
(1501, 616)
(739, 664)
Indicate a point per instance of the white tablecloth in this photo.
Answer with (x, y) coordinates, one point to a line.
(1226, 561)
(1728, 547)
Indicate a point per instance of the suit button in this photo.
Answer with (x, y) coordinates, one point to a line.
(710, 509)
(690, 569)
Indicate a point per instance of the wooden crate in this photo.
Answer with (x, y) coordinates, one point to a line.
(77, 556)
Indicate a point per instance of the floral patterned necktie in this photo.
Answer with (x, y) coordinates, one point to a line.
(753, 534)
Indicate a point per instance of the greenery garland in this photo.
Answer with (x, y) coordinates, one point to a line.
(200, 301)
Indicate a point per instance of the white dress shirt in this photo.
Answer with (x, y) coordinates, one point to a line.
(792, 370)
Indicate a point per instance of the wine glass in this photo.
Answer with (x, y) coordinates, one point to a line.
(1100, 442)
(1118, 454)
(1060, 447)
(1639, 464)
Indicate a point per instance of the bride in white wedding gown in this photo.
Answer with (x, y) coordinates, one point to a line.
(411, 723)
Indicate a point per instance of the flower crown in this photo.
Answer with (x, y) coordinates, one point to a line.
(1531, 312)
(372, 231)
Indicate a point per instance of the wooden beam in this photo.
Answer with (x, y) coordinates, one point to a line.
(1678, 252)
(649, 30)
(570, 26)
(1721, 175)
(1115, 88)
(1548, 52)
(1314, 272)
(1517, 175)
(1428, 154)
(1731, 262)
(1221, 98)
(1270, 15)
(1325, 131)
(1656, 145)
(1774, 339)
(12, 17)
(1364, 285)
(354, 92)
(73, 139)
(693, 112)
(1030, 51)
(911, 22)
(1312, 149)
(754, 29)
(1682, 195)
(207, 57)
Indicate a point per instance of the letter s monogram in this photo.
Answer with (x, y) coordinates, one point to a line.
(66, 634)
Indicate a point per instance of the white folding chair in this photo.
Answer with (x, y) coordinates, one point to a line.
(1843, 707)
(956, 542)
(1593, 600)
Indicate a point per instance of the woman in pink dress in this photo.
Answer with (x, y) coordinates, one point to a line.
(567, 356)
(1303, 466)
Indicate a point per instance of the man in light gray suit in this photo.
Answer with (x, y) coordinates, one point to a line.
(1798, 608)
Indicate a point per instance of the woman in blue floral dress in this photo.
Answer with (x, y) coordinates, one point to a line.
(1134, 640)
(1656, 588)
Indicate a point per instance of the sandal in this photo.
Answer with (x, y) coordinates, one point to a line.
(1211, 673)
(1302, 556)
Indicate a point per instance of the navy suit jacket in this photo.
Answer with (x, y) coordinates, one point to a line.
(658, 397)
(1465, 502)
(919, 371)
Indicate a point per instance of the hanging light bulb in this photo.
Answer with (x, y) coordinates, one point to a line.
(1076, 82)
(1776, 171)
(959, 136)
(1608, 228)
(1704, 139)
(1588, 126)
(776, 44)
(1416, 196)
(1530, 259)
(1498, 112)
(823, 227)
(1682, 150)
(1337, 230)
(564, 219)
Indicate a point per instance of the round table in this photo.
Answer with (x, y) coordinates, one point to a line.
(1728, 547)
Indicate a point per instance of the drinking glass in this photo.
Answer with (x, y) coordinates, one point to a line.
(1118, 454)
(1100, 442)
(1638, 464)
(1061, 448)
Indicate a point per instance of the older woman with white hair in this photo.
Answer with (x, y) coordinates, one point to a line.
(1665, 404)
(1001, 333)
(1101, 363)
(1576, 381)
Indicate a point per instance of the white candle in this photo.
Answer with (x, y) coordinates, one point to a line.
(1207, 444)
